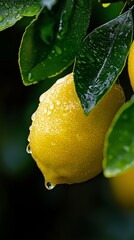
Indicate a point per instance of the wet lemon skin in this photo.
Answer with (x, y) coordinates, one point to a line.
(131, 65)
(67, 145)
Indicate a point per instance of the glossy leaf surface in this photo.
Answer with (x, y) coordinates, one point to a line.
(51, 42)
(13, 10)
(102, 59)
(119, 145)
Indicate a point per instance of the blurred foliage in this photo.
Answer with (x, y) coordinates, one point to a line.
(77, 212)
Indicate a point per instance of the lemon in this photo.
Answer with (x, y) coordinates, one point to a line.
(67, 145)
(131, 65)
(122, 188)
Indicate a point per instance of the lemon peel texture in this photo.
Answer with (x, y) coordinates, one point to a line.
(131, 65)
(67, 145)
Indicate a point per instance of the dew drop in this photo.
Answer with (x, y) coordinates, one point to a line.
(30, 79)
(45, 110)
(51, 107)
(28, 139)
(33, 117)
(58, 102)
(28, 149)
(1, 18)
(49, 185)
(49, 112)
(41, 97)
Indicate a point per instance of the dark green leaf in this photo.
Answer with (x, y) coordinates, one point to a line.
(51, 43)
(13, 10)
(102, 59)
(119, 144)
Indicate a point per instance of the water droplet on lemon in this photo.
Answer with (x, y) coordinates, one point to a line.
(28, 149)
(49, 185)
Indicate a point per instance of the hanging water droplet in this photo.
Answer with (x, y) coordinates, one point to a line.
(49, 185)
(1, 18)
(28, 149)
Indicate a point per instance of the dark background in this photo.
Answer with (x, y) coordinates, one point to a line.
(28, 210)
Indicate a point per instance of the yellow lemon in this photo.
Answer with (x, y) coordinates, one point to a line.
(67, 145)
(123, 188)
(131, 65)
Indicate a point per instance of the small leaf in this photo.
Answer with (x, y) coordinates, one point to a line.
(54, 40)
(13, 10)
(102, 59)
(119, 143)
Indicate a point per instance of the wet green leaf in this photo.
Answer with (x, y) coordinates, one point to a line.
(13, 10)
(102, 59)
(119, 144)
(51, 42)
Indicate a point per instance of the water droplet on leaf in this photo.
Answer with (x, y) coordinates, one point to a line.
(30, 79)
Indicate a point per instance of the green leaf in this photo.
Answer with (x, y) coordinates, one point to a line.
(50, 43)
(119, 142)
(102, 59)
(13, 10)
